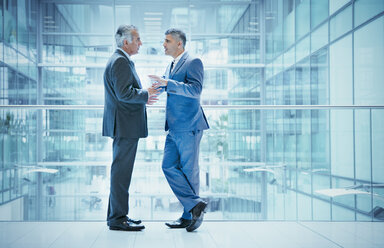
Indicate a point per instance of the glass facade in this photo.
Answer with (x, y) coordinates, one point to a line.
(292, 92)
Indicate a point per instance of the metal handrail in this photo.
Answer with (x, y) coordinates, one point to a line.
(245, 107)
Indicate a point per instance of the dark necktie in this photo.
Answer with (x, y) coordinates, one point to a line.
(170, 68)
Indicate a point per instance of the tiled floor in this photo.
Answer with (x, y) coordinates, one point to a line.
(210, 234)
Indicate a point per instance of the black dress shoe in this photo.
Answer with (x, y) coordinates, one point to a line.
(197, 216)
(180, 223)
(126, 226)
(133, 221)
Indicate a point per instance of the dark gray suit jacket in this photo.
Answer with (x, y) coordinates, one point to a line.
(125, 101)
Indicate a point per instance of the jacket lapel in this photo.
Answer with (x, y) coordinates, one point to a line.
(179, 65)
(132, 67)
(135, 74)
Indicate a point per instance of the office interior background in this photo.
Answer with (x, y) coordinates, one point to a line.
(293, 92)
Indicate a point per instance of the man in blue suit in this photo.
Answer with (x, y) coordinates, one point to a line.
(125, 120)
(185, 121)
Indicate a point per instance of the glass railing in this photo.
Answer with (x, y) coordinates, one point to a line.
(256, 163)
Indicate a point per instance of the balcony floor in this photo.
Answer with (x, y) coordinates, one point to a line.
(210, 234)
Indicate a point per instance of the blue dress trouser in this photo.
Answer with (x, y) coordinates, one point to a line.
(181, 167)
(124, 153)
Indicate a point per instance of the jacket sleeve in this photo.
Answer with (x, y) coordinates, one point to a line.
(194, 81)
(123, 79)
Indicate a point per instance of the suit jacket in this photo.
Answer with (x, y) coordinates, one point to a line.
(185, 83)
(125, 101)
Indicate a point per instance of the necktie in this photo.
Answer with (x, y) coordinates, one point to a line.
(170, 68)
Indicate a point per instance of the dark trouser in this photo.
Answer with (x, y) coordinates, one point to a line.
(124, 153)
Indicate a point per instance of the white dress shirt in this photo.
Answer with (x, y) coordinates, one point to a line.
(126, 54)
(176, 60)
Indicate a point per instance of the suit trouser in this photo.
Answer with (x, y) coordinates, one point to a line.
(124, 153)
(181, 167)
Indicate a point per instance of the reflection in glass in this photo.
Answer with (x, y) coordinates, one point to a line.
(77, 18)
(334, 5)
(274, 29)
(289, 23)
(319, 77)
(341, 23)
(341, 137)
(319, 12)
(365, 9)
(10, 28)
(369, 63)
(340, 66)
(302, 48)
(377, 144)
(362, 137)
(302, 20)
(319, 37)
(22, 26)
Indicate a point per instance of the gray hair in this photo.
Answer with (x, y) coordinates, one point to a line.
(124, 32)
(177, 34)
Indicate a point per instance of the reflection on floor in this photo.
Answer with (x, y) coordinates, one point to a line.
(210, 234)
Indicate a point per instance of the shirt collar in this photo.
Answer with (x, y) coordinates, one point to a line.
(126, 54)
(177, 59)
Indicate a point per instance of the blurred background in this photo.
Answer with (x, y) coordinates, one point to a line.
(293, 92)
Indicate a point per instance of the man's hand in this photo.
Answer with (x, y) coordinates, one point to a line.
(152, 95)
(159, 81)
(153, 91)
(152, 99)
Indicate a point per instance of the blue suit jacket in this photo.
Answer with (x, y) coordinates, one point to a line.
(125, 102)
(185, 83)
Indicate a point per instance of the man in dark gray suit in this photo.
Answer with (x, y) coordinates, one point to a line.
(125, 120)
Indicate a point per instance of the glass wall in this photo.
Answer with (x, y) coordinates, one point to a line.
(331, 56)
(257, 162)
